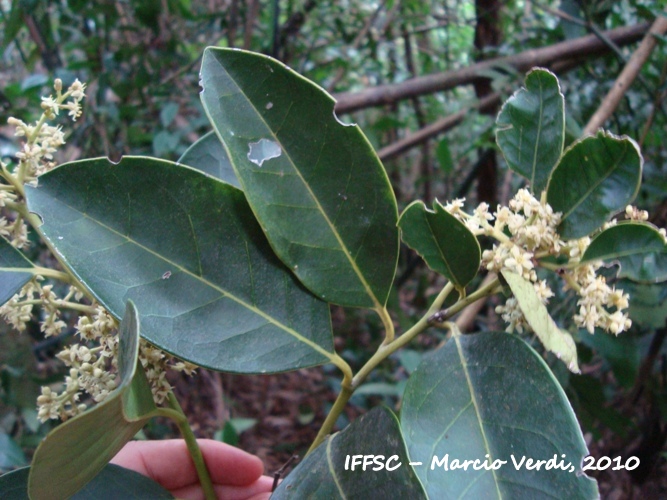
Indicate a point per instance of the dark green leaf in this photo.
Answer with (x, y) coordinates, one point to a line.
(621, 352)
(315, 184)
(444, 156)
(638, 248)
(322, 474)
(77, 450)
(490, 395)
(168, 113)
(648, 304)
(531, 128)
(444, 242)
(187, 250)
(11, 279)
(209, 156)
(11, 454)
(554, 339)
(13, 24)
(112, 483)
(597, 177)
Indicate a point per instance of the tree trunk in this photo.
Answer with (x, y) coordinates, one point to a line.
(487, 35)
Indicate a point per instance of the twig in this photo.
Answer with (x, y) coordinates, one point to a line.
(546, 56)
(627, 76)
(435, 128)
(277, 474)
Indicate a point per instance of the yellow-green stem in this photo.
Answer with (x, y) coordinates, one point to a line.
(388, 325)
(193, 448)
(350, 385)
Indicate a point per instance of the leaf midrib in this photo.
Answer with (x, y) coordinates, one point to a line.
(344, 249)
(539, 133)
(595, 185)
(215, 287)
(464, 365)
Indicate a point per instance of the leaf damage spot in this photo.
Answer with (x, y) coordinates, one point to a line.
(166, 275)
(263, 150)
(342, 122)
(269, 105)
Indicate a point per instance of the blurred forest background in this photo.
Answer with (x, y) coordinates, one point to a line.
(424, 80)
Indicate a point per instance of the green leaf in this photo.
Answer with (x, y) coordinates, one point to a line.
(648, 304)
(491, 395)
(596, 177)
(531, 128)
(554, 339)
(112, 483)
(621, 352)
(13, 25)
(443, 241)
(316, 186)
(11, 454)
(77, 450)
(322, 474)
(11, 278)
(187, 250)
(444, 156)
(637, 247)
(209, 156)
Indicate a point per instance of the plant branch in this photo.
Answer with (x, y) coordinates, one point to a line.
(193, 448)
(627, 76)
(385, 350)
(546, 56)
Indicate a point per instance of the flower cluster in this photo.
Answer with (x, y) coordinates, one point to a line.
(42, 139)
(526, 232)
(35, 157)
(92, 361)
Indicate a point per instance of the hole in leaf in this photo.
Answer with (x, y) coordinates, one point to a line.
(263, 150)
(342, 122)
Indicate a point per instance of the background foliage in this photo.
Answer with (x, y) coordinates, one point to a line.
(141, 60)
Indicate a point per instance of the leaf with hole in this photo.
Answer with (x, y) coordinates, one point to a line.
(596, 177)
(489, 397)
(531, 128)
(78, 449)
(316, 185)
(186, 248)
(553, 338)
(327, 472)
(13, 274)
(443, 241)
(209, 156)
(638, 248)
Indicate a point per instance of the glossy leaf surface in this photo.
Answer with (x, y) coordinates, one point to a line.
(112, 483)
(554, 339)
(531, 128)
(12, 280)
(187, 250)
(209, 156)
(316, 185)
(322, 473)
(638, 248)
(491, 395)
(596, 177)
(444, 242)
(78, 449)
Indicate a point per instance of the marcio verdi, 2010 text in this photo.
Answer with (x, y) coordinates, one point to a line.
(380, 462)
